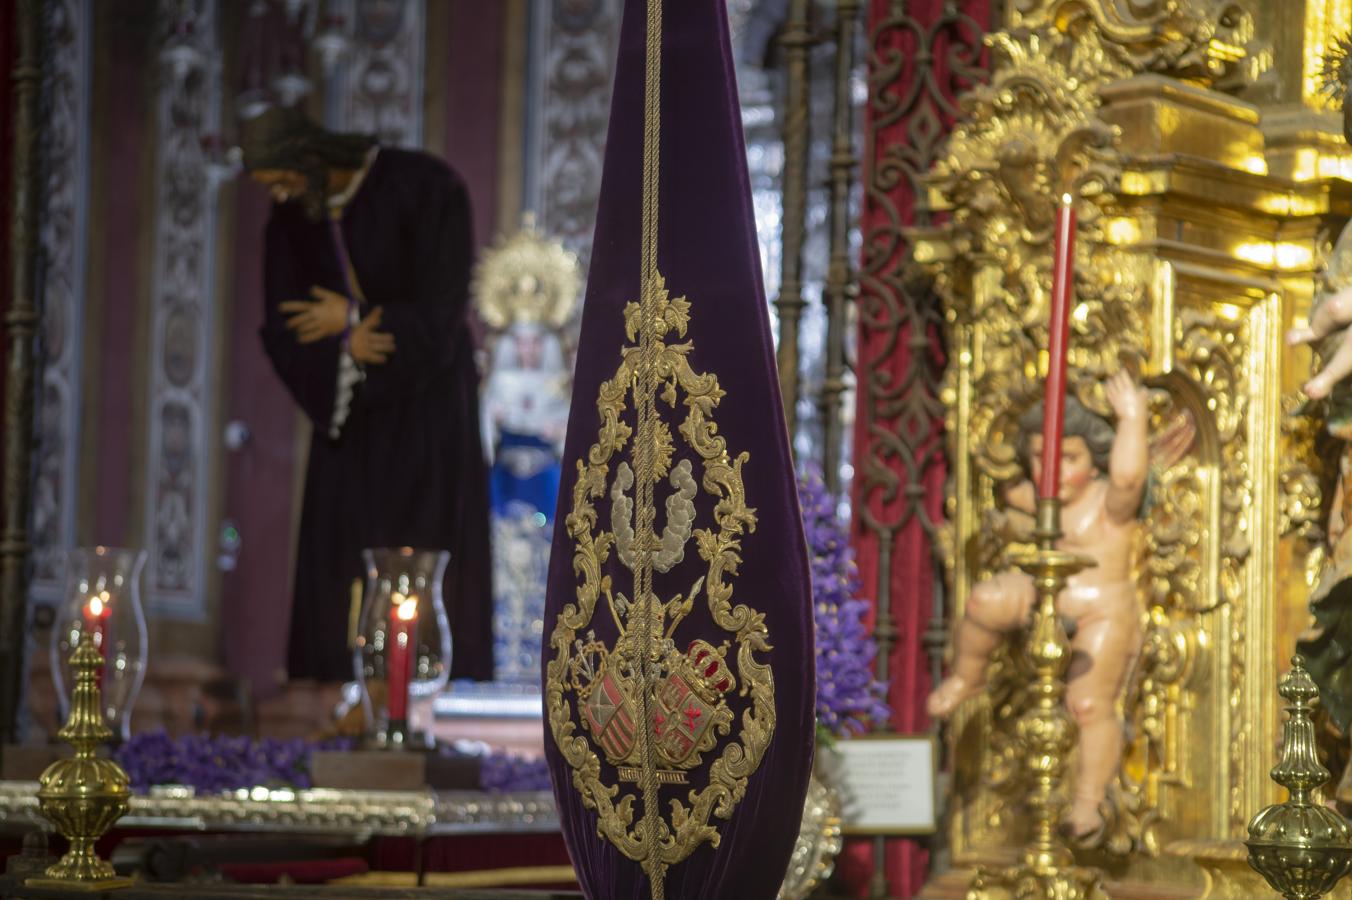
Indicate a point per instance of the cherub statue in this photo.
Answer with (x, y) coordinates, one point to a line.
(1332, 314)
(1103, 482)
(1327, 645)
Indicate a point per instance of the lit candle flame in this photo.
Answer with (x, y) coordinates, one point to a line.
(407, 610)
(96, 606)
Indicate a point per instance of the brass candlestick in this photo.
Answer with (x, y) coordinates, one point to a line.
(1047, 731)
(83, 796)
(1301, 847)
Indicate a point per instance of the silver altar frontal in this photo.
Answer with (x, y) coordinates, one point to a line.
(359, 814)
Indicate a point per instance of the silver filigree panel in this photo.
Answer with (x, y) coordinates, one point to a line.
(521, 546)
(182, 309)
(379, 89)
(572, 64)
(65, 196)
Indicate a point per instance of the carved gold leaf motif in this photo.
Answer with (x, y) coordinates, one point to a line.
(1036, 130)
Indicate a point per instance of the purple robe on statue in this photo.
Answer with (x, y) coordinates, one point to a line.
(406, 467)
(708, 253)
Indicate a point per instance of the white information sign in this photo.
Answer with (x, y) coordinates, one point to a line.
(886, 783)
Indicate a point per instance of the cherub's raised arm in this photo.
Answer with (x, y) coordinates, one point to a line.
(1129, 462)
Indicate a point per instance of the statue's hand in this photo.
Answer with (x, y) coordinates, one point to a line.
(1332, 312)
(368, 346)
(1128, 399)
(321, 317)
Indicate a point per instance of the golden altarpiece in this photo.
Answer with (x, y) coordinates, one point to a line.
(1211, 179)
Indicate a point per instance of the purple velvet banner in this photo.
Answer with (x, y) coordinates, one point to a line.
(707, 252)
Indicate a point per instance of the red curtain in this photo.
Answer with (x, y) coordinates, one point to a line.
(921, 56)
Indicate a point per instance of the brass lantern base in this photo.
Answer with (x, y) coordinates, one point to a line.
(84, 887)
(84, 796)
(1024, 883)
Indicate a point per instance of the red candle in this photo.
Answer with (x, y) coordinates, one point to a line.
(1058, 334)
(403, 623)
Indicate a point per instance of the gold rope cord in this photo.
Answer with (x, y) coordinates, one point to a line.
(645, 462)
(651, 710)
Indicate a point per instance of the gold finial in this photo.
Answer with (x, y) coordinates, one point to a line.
(1301, 847)
(1047, 731)
(83, 796)
(526, 277)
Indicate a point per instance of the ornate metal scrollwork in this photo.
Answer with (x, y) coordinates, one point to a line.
(1209, 42)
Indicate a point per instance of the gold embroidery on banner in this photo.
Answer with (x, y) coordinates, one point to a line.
(664, 776)
(650, 708)
(600, 685)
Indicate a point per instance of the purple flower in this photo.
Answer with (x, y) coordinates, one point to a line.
(849, 698)
(211, 764)
(507, 772)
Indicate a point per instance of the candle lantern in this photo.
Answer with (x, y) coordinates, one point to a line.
(403, 643)
(103, 597)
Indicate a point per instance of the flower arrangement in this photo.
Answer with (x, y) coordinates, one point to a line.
(849, 698)
(508, 773)
(214, 763)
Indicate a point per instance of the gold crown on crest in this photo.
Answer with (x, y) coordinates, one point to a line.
(526, 277)
(709, 669)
